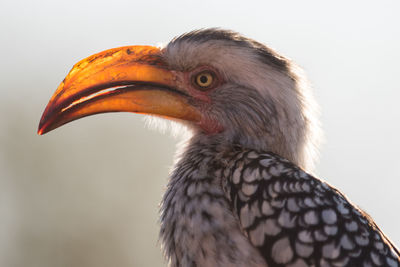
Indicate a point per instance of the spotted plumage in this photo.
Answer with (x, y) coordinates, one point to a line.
(219, 194)
(295, 219)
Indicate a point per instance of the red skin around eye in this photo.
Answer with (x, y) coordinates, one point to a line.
(186, 81)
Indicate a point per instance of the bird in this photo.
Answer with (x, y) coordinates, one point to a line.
(242, 191)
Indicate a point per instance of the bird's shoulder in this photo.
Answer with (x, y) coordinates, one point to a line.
(294, 218)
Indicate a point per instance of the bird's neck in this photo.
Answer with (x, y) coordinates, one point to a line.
(197, 225)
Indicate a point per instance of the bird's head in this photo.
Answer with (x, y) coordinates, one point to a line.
(217, 82)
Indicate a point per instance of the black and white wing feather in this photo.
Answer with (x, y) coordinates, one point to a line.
(295, 219)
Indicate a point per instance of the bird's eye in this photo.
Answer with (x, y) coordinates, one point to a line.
(204, 79)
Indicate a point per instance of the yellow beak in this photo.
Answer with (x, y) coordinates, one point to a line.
(131, 78)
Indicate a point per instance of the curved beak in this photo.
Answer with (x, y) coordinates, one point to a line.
(131, 78)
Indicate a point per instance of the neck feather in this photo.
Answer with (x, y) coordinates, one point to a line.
(197, 225)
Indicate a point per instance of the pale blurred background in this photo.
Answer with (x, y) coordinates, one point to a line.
(87, 194)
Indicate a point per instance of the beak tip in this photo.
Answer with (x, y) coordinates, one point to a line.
(43, 126)
(40, 130)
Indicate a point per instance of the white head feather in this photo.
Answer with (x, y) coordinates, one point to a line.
(266, 102)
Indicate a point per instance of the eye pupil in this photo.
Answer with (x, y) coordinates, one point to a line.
(203, 79)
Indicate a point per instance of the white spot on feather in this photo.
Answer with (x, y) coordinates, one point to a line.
(292, 205)
(236, 176)
(362, 240)
(246, 218)
(298, 263)
(249, 189)
(305, 236)
(329, 216)
(376, 258)
(265, 175)
(252, 155)
(319, 235)
(282, 252)
(250, 176)
(257, 235)
(311, 217)
(342, 209)
(346, 242)
(271, 227)
(330, 251)
(266, 208)
(378, 245)
(351, 226)
(391, 262)
(303, 250)
(286, 220)
(331, 229)
(274, 171)
(266, 162)
(309, 202)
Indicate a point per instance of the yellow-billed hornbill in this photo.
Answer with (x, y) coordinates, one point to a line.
(239, 194)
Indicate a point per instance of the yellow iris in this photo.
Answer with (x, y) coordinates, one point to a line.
(204, 79)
